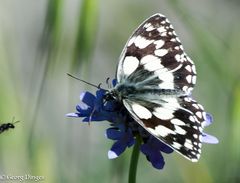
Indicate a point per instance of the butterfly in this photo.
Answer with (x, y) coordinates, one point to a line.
(7, 126)
(155, 79)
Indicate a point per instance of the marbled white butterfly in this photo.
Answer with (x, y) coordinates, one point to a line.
(155, 78)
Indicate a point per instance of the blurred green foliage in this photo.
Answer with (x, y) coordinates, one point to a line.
(86, 34)
(40, 41)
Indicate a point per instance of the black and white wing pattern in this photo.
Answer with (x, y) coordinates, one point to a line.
(158, 78)
(154, 50)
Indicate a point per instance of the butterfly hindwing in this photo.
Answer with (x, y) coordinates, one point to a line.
(177, 123)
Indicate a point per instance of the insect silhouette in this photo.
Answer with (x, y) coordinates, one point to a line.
(7, 126)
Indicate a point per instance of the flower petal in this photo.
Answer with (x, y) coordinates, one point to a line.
(153, 155)
(206, 138)
(72, 115)
(157, 160)
(113, 134)
(112, 155)
(100, 93)
(118, 148)
(87, 98)
(82, 112)
(82, 106)
(208, 120)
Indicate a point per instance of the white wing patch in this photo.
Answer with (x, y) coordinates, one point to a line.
(161, 29)
(130, 64)
(167, 80)
(176, 145)
(131, 41)
(142, 42)
(188, 144)
(141, 112)
(179, 130)
(159, 43)
(178, 122)
(161, 52)
(161, 131)
(163, 113)
(151, 63)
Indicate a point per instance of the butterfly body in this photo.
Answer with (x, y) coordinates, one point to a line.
(155, 78)
(127, 91)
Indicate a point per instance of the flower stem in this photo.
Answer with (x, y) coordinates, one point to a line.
(134, 160)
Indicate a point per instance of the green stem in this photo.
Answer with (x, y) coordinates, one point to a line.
(134, 161)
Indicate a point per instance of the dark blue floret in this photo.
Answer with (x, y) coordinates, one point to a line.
(123, 140)
(152, 149)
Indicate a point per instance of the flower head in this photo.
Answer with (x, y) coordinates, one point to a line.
(123, 127)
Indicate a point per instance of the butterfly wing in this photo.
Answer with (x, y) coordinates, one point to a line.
(154, 62)
(154, 58)
(176, 122)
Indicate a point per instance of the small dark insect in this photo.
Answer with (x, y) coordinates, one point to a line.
(6, 126)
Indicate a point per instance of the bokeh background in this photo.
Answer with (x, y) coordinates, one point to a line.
(40, 41)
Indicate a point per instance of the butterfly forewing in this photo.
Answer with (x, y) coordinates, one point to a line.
(154, 57)
(158, 78)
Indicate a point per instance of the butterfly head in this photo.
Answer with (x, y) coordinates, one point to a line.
(111, 95)
(120, 92)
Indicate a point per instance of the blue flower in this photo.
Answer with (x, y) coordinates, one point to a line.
(123, 128)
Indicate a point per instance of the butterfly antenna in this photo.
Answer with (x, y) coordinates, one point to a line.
(96, 86)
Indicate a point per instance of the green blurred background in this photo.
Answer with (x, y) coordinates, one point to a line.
(40, 41)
